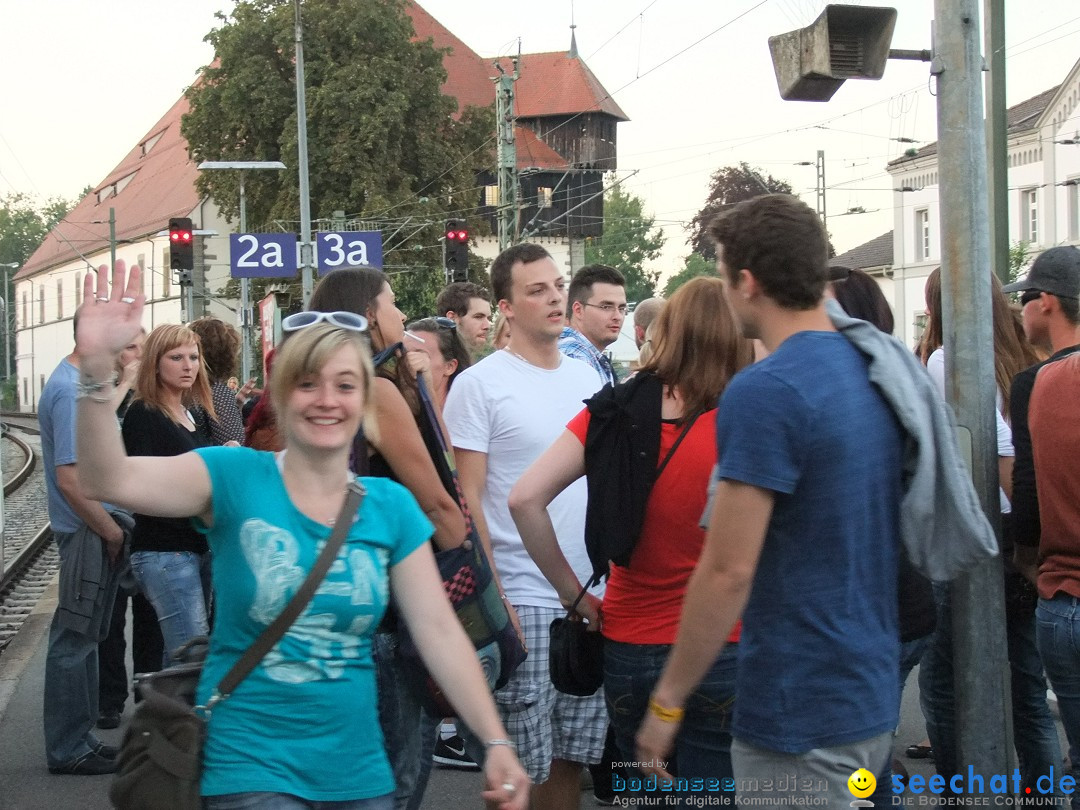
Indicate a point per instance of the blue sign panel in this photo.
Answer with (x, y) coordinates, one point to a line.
(263, 255)
(348, 249)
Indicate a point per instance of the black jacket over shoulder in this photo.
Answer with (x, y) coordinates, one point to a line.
(622, 449)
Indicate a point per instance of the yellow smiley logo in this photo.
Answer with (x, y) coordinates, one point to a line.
(861, 783)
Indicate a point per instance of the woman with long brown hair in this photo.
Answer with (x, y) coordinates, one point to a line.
(404, 452)
(1034, 733)
(168, 418)
(697, 349)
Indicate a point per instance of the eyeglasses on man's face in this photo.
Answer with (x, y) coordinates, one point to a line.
(608, 309)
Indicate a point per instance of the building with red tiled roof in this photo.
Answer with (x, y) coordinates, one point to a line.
(565, 141)
(1043, 153)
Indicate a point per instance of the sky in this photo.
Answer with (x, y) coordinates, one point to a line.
(81, 83)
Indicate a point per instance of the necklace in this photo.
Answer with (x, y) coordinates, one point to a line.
(279, 459)
(518, 356)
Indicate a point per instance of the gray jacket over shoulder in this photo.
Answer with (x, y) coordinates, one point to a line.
(944, 529)
(88, 581)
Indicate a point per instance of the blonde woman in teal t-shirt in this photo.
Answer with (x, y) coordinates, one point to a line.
(301, 730)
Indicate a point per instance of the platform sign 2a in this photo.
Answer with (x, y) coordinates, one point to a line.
(263, 255)
(348, 249)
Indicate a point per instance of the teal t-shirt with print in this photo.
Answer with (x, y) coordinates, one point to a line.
(305, 721)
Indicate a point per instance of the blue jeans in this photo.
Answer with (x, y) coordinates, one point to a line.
(1057, 623)
(429, 734)
(177, 583)
(911, 653)
(399, 717)
(1034, 733)
(703, 745)
(71, 685)
(283, 801)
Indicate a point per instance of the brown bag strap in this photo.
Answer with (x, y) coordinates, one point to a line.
(272, 634)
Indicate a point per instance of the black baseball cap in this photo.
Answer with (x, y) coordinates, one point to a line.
(1056, 271)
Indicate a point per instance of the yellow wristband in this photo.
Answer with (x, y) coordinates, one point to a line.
(664, 714)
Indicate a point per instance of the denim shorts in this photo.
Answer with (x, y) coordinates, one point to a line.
(177, 583)
(284, 801)
(703, 745)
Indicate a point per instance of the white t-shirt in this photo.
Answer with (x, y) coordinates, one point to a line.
(935, 364)
(513, 411)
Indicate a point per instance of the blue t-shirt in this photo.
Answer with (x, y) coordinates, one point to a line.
(56, 416)
(305, 721)
(819, 650)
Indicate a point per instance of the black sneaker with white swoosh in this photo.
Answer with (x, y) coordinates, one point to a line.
(450, 753)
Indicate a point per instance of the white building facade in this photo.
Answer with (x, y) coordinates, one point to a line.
(1043, 195)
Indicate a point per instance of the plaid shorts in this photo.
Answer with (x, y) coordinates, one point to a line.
(543, 723)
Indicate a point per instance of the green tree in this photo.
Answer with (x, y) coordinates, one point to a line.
(730, 185)
(24, 223)
(383, 142)
(628, 242)
(694, 265)
(1019, 253)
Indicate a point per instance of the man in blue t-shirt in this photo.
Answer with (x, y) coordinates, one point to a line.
(804, 534)
(82, 529)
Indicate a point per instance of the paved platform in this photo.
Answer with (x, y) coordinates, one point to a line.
(26, 784)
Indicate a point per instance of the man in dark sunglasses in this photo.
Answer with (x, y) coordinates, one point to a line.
(1051, 301)
(1046, 435)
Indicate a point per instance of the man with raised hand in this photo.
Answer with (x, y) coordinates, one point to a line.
(597, 300)
(502, 413)
(804, 533)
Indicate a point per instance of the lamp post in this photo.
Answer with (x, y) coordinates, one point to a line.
(245, 283)
(7, 319)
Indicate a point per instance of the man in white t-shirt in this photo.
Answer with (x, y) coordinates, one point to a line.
(502, 413)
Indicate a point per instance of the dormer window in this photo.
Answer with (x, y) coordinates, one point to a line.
(149, 143)
(115, 188)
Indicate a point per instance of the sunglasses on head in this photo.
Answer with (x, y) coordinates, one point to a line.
(439, 322)
(342, 320)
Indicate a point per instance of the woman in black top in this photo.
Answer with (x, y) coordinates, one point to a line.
(168, 557)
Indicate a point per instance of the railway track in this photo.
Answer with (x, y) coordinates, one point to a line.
(30, 560)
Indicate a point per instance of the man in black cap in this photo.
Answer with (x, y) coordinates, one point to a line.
(1046, 434)
(1051, 301)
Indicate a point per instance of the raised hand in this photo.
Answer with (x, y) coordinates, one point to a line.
(109, 321)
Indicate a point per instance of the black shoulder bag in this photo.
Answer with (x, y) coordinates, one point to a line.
(576, 654)
(161, 756)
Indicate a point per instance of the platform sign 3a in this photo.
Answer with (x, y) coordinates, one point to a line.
(263, 255)
(348, 249)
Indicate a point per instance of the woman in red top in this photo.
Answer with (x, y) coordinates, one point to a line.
(697, 349)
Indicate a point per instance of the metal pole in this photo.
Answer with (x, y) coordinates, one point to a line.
(7, 326)
(507, 158)
(112, 237)
(245, 299)
(978, 617)
(997, 143)
(821, 188)
(306, 263)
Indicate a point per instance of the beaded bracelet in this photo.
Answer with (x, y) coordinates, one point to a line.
(664, 714)
(86, 390)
